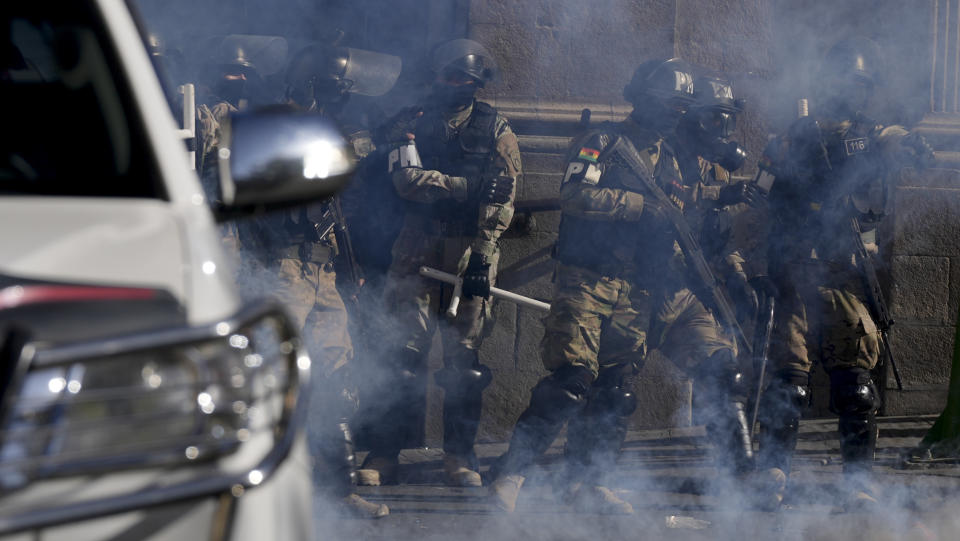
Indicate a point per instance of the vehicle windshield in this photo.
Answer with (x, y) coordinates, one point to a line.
(70, 128)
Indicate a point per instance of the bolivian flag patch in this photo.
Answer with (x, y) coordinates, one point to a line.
(589, 154)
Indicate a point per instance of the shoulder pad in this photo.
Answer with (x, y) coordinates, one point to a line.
(500, 126)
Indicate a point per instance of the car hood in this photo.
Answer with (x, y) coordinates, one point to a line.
(95, 241)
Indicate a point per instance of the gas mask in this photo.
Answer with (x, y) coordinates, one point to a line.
(710, 129)
(231, 88)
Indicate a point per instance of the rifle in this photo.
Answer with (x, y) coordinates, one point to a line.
(714, 297)
(333, 220)
(878, 307)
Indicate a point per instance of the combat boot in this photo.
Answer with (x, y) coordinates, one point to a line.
(357, 507)
(766, 489)
(599, 500)
(460, 471)
(462, 396)
(504, 492)
(378, 470)
(783, 403)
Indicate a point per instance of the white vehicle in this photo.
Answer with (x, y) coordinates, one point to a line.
(140, 400)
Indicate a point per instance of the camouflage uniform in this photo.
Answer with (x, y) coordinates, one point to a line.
(827, 173)
(443, 225)
(619, 289)
(628, 297)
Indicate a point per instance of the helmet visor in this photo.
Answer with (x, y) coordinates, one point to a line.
(369, 73)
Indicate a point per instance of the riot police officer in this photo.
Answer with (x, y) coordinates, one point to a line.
(616, 284)
(721, 211)
(827, 178)
(301, 249)
(224, 91)
(454, 161)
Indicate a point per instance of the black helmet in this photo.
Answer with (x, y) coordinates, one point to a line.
(233, 58)
(463, 57)
(667, 80)
(715, 109)
(326, 72)
(714, 91)
(711, 120)
(849, 72)
(856, 57)
(316, 72)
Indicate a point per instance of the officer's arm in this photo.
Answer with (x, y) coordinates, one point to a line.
(426, 186)
(494, 217)
(602, 204)
(586, 193)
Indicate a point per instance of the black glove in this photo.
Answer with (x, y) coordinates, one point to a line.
(399, 128)
(741, 192)
(476, 280)
(742, 293)
(497, 190)
(919, 149)
(764, 287)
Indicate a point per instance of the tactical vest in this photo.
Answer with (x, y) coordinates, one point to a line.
(814, 205)
(465, 152)
(612, 248)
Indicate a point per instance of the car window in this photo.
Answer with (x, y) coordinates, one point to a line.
(69, 127)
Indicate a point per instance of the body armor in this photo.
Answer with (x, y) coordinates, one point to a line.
(614, 247)
(465, 152)
(833, 173)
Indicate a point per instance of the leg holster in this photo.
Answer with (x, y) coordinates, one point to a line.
(781, 407)
(463, 380)
(553, 401)
(854, 397)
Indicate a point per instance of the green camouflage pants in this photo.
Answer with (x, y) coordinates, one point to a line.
(308, 290)
(598, 322)
(417, 303)
(822, 314)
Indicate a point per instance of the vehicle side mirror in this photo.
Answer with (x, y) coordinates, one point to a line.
(277, 158)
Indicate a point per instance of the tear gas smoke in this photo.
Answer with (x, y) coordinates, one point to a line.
(557, 52)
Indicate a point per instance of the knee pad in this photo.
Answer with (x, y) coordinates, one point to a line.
(720, 374)
(853, 393)
(612, 393)
(559, 394)
(406, 364)
(786, 397)
(452, 379)
(619, 401)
